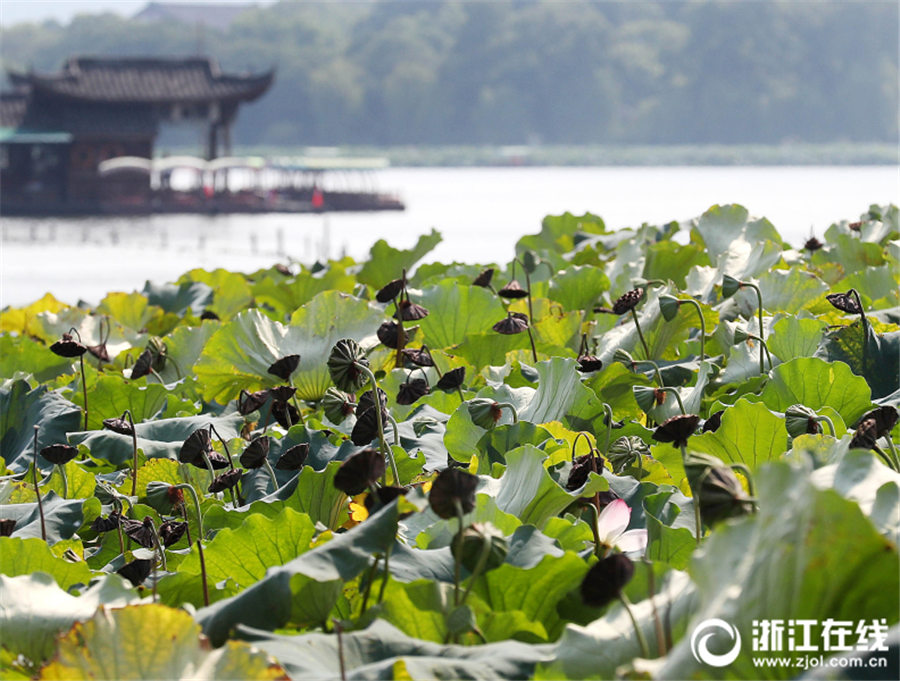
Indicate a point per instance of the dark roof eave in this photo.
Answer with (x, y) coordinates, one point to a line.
(248, 89)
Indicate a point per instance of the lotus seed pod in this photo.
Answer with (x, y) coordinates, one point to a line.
(162, 496)
(477, 538)
(624, 452)
(484, 412)
(359, 471)
(284, 367)
(628, 301)
(801, 420)
(668, 306)
(450, 487)
(730, 286)
(604, 582)
(344, 364)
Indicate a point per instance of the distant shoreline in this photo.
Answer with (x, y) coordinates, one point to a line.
(839, 154)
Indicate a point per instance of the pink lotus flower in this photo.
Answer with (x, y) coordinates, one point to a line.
(611, 529)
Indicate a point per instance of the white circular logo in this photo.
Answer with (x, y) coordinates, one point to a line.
(700, 640)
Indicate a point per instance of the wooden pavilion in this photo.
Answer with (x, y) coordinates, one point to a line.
(56, 129)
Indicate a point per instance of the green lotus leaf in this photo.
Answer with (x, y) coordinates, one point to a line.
(133, 311)
(792, 337)
(783, 563)
(721, 227)
(383, 650)
(851, 253)
(24, 320)
(663, 338)
(418, 609)
(878, 284)
(183, 348)
(239, 354)
(21, 410)
(161, 438)
(490, 347)
(456, 311)
(125, 643)
(557, 235)
(527, 491)
(578, 288)
(34, 610)
(555, 334)
(691, 397)
(386, 263)
(790, 289)
(316, 496)
(668, 260)
(193, 296)
(110, 396)
(596, 650)
(231, 292)
(272, 601)
(23, 355)
(496, 442)
(534, 591)
(244, 554)
(285, 296)
(20, 556)
(462, 435)
(560, 393)
(62, 517)
(671, 529)
(431, 532)
(816, 383)
(614, 386)
(879, 365)
(749, 434)
(863, 478)
(431, 273)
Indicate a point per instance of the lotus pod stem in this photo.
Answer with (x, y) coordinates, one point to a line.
(382, 445)
(479, 568)
(65, 480)
(457, 559)
(642, 640)
(822, 417)
(231, 490)
(637, 325)
(762, 334)
(160, 550)
(37, 489)
(677, 395)
(530, 312)
(695, 501)
(271, 473)
(696, 305)
(196, 499)
(745, 471)
(134, 456)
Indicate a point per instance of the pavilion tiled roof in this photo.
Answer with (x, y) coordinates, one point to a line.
(12, 109)
(146, 80)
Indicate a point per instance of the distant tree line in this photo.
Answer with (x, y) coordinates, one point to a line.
(573, 72)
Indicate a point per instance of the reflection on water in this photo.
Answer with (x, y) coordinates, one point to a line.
(481, 212)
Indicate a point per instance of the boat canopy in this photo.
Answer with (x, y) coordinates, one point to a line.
(170, 163)
(123, 163)
(236, 162)
(312, 163)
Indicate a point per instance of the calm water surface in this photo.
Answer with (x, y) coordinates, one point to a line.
(481, 212)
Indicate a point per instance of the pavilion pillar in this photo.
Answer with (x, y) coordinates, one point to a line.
(212, 147)
(226, 137)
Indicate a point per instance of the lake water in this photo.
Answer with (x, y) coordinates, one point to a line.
(481, 213)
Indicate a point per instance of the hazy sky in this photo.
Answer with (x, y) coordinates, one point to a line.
(16, 11)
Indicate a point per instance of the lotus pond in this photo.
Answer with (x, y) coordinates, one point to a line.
(562, 467)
